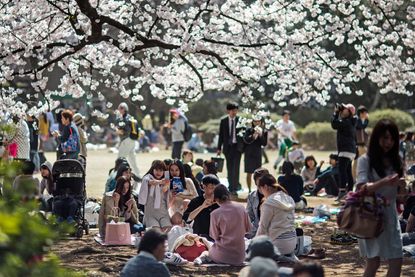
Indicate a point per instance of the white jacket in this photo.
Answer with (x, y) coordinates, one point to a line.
(277, 216)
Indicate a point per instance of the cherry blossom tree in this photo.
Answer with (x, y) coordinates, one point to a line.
(300, 50)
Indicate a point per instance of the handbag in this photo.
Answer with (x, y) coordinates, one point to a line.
(117, 233)
(362, 215)
(219, 162)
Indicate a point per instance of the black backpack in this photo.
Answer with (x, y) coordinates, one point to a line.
(135, 129)
(188, 132)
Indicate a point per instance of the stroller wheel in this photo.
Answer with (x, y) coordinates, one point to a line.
(86, 227)
(79, 232)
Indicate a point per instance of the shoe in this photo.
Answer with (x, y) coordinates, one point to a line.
(341, 195)
(174, 259)
(341, 239)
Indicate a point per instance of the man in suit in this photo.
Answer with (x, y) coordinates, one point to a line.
(232, 145)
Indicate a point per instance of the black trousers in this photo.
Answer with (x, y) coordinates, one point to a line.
(177, 150)
(345, 174)
(233, 162)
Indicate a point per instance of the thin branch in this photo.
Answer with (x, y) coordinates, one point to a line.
(202, 87)
(155, 21)
(254, 45)
(222, 62)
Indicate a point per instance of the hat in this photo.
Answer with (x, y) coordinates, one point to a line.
(78, 119)
(174, 111)
(350, 107)
(261, 246)
(260, 267)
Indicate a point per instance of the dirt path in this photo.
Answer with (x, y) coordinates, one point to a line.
(86, 255)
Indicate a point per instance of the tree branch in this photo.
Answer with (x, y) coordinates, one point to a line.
(194, 70)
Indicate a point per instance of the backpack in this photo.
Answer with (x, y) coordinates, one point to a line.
(188, 132)
(135, 129)
(72, 144)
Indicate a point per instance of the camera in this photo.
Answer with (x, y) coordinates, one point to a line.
(339, 107)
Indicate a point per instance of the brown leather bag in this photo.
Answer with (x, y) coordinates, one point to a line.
(360, 219)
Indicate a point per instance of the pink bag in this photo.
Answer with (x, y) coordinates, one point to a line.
(117, 233)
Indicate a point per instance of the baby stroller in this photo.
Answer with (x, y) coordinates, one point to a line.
(69, 178)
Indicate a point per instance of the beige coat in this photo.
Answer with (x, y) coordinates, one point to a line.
(106, 209)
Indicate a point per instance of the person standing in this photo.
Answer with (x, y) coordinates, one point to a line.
(83, 136)
(177, 126)
(21, 139)
(362, 136)
(33, 125)
(69, 137)
(344, 122)
(255, 138)
(232, 145)
(380, 171)
(126, 127)
(286, 135)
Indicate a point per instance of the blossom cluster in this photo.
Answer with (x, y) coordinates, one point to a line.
(177, 49)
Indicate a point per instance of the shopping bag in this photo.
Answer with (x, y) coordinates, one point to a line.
(219, 162)
(117, 233)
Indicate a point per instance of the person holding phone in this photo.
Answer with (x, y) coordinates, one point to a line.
(380, 171)
(200, 208)
(182, 190)
(122, 199)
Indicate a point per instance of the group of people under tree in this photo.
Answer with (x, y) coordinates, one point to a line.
(171, 194)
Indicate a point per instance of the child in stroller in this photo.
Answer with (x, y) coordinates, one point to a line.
(70, 194)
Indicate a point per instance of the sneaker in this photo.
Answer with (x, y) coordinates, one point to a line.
(341, 239)
(174, 259)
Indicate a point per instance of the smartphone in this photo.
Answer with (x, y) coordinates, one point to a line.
(166, 175)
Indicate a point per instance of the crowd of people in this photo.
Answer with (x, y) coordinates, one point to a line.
(180, 192)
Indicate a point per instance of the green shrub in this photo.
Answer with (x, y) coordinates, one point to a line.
(25, 234)
(318, 136)
(402, 119)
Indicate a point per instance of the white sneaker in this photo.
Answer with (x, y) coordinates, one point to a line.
(174, 259)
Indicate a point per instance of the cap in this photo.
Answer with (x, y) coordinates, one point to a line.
(261, 246)
(350, 107)
(174, 111)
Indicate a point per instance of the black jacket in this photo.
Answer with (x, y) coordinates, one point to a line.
(224, 135)
(346, 133)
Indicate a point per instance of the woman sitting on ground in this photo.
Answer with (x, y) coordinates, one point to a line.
(110, 184)
(46, 184)
(254, 202)
(309, 172)
(119, 202)
(228, 225)
(277, 215)
(293, 185)
(180, 199)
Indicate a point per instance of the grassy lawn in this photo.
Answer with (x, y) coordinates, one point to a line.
(99, 162)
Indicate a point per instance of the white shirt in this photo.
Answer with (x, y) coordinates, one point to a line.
(285, 129)
(230, 129)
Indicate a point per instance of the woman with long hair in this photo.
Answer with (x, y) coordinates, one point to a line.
(380, 171)
(309, 172)
(121, 201)
(277, 215)
(154, 195)
(254, 139)
(180, 198)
